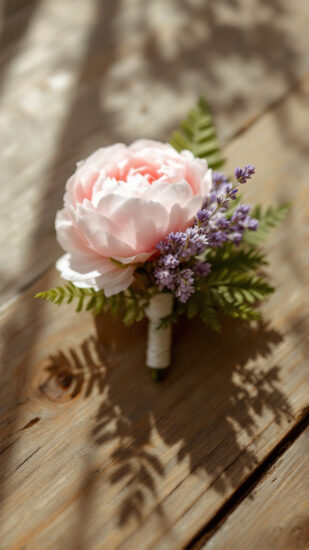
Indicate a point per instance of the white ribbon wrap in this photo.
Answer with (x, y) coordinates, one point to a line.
(159, 341)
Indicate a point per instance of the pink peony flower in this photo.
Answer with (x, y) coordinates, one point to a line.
(119, 204)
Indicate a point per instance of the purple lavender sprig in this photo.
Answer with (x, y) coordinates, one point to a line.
(179, 265)
(244, 174)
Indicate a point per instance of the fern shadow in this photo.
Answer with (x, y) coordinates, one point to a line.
(78, 371)
(207, 410)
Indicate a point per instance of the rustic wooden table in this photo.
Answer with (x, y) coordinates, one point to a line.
(93, 455)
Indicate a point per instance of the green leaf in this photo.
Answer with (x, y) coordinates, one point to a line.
(237, 311)
(128, 305)
(235, 259)
(70, 292)
(168, 320)
(237, 287)
(130, 315)
(193, 307)
(267, 220)
(198, 135)
(209, 316)
(200, 304)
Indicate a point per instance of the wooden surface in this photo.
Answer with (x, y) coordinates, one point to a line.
(93, 455)
(275, 514)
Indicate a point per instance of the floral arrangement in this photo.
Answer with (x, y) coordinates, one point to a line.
(155, 230)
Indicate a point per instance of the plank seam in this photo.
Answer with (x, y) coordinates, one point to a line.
(275, 104)
(213, 525)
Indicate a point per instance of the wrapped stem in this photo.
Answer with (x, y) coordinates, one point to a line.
(159, 341)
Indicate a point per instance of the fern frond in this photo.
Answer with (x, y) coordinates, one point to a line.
(69, 292)
(267, 220)
(233, 295)
(198, 135)
(209, 315)
(129, 306)
(237, 287)
(235, 259)
(235, 309)
(201, 304)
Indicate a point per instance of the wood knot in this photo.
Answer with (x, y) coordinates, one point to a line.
(64, 379)
(76, 371)
(57, 387)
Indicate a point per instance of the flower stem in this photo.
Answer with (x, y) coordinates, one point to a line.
(158, 375)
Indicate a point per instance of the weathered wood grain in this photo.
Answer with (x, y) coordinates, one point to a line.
(276, 514)
(93, 455)
(75, 75)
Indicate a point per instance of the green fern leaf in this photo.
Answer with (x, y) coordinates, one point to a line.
(200, 304)
(70, 292)
(235, 309)
(98, 304)
(130, 314)
(209, 316)
(128, 305)
(198, 135)
(193, 307)
(235, 259)
(238, 287)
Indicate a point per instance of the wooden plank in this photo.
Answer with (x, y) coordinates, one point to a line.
(275, 514)
(78, 75)
(94, 455)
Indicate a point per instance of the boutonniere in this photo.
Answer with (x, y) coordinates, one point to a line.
(155, 230)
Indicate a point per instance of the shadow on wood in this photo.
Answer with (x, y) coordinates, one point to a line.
(209, 400)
